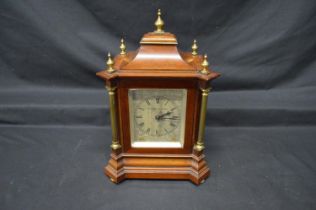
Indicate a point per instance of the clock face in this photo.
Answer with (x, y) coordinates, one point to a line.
(157, 117)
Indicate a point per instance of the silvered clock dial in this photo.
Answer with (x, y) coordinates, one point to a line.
(157, 117)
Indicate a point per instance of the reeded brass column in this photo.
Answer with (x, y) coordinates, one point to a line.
(115, 143)
(199, 145)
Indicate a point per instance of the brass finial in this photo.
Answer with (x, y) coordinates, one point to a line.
(110, 64)
(123, 47)
(205, 65)
(159, 23)
(194, 48)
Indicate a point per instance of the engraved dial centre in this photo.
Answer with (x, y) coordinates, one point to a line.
(157, 116)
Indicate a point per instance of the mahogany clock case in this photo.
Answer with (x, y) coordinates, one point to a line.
(158, 64)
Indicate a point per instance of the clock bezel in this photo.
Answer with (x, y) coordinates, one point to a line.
(192, 112)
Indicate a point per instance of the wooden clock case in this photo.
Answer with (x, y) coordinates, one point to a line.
(156, 64)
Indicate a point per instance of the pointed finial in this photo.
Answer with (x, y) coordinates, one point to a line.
(123, 47)
(159, 23)
(110, 64)
(194, 48)
(205, 65)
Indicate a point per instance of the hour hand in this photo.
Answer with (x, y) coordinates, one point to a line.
(160, 116)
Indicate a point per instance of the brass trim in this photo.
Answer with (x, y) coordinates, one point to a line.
(159, 23)
(205, 65)
(123, 47)
(199, 145)
(110, 64)
(115, 142)
(194, 48)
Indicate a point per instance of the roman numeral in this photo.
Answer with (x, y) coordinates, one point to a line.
(148, 130)
(141, 124)
(147, 101)
(157, 100)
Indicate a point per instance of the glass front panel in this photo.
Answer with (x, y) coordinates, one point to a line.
(157, 117)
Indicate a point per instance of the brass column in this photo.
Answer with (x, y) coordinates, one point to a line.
(115, 143)
(199, 146)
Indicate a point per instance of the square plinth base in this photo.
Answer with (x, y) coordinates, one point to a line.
(157, 166)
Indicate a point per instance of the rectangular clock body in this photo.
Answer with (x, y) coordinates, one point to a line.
(158, 99)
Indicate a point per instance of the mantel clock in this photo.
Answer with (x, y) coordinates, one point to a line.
(158, 101)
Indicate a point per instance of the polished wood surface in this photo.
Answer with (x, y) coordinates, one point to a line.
(166, 166)
(158, 64)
